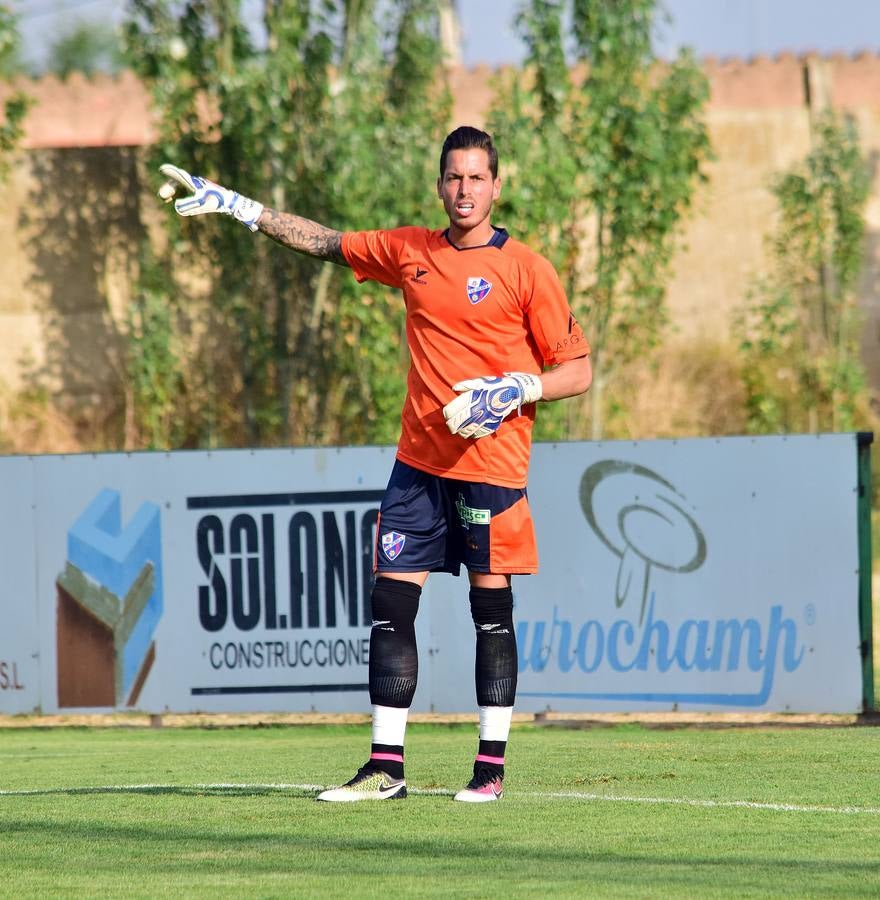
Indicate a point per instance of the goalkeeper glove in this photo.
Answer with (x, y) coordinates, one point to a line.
(207, 197)
(487, 401)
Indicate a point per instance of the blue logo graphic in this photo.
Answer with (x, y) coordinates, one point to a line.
(110, 601)
(642, 521)
(696, 645)
(647, 524)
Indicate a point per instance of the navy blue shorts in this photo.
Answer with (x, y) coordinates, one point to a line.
(433, 524)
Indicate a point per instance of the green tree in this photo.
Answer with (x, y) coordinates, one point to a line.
(87, 47)
(156, 376)
(337, 118)
(608, 153)
(16, 105)
(799, 332)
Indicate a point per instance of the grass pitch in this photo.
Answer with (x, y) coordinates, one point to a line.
(622, 811)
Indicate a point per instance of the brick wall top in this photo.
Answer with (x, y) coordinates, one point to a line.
(102, 111)
(856, 80)
(114, 111)
(779, 82)
(760, 82)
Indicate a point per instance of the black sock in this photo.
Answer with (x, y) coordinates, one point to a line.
(387, 758)
(394, 658)
(495, 667)
(491, 756)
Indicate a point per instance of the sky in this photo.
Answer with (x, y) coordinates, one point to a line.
(722, 28)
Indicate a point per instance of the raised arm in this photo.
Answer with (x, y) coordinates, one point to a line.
(293, 232)
(302, 235)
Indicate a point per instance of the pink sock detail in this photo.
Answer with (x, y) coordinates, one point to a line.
(394, 757)
(497, 760)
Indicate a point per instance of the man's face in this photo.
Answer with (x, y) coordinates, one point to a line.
(468, 190)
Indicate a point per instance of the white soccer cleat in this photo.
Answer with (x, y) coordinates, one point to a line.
(484, 787)
(369, 784)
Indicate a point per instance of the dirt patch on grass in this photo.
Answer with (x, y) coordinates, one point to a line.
(548, 719)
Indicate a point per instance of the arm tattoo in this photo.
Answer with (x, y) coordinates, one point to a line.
(303, 235)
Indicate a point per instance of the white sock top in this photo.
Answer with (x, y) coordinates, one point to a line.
(495, 722)
(389, 725)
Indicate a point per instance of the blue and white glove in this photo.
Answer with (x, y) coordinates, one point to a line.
(486, 402)
(207, 197)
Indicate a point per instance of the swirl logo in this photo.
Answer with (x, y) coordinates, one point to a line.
(640, 517)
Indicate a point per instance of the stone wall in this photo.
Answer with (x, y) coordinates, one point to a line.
(70, 214)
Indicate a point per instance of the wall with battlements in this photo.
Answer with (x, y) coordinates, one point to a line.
(65, 265)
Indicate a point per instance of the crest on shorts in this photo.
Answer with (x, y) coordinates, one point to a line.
(477, 289)
(392, 544)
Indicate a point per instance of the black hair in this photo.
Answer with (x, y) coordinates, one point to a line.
(467, 137)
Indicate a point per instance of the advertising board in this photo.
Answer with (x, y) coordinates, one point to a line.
(706, 574)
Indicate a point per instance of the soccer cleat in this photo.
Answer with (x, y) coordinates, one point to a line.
(370, 783)
(485, 786)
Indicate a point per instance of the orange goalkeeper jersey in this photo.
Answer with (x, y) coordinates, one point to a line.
(470, 312)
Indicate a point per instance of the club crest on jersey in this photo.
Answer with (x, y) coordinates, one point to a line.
(392, 544)
(477, 289)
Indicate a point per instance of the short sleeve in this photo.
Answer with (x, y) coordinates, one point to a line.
(554, 328)
(374, 255)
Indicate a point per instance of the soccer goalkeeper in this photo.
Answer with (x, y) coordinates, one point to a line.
(490, 334)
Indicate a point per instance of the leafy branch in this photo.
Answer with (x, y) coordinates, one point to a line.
(799, 332)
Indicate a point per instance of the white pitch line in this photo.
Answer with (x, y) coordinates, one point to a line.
(713, 804)
(533, 795)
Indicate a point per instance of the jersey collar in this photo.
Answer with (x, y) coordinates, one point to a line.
(498, 239)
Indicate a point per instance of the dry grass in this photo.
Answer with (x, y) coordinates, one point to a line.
(688, 389)
(31, 424)
(572, 720)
